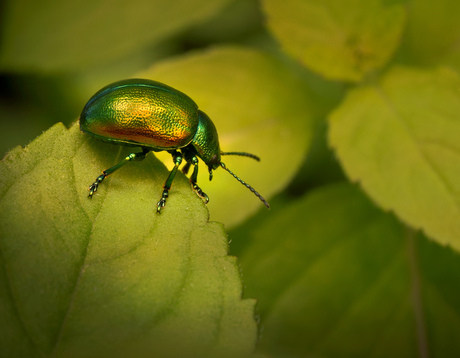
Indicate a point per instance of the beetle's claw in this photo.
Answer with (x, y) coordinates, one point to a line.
(93, 187)
(161, 204)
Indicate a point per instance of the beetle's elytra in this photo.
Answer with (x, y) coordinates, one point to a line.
(156, 117)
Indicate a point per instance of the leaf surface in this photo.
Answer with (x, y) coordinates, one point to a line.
(399, 139)
(341, 40)
(109, 276)
(433, 30)
(337, 277)
(56, 35)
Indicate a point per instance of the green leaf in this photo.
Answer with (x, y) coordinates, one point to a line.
(258, 105)
(433, 29)
(399, 139)
(56, 35)
(337, 277)
(341, 40)
(109, 276)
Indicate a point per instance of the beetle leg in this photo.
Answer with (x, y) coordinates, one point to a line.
(133, 156)
(186, 167)
(193, 180)
(177, 158)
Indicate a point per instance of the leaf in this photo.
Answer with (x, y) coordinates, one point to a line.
(56, 35)
(239, 20)
(109, 276)
(399, 139)
(433, 30)
(341, 40)
(258, 105)
(337, 277)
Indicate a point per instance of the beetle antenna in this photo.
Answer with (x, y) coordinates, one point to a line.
(242, 154)
(246, 184)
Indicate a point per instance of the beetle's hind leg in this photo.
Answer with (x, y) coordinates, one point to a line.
(133, 156)
(193, 180)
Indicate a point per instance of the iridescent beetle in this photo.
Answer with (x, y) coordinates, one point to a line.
(156, 117)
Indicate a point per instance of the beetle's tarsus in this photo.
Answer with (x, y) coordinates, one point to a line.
(200, 192)
(93, 187)
(194, 177)
(161, 204)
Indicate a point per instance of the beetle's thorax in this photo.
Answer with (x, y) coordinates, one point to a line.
(206, 141)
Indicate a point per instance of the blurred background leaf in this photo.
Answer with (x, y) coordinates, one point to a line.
(342, 40)
(433, 30)
(68, 36)
(336, 277)
(421, 186)
(332, 273)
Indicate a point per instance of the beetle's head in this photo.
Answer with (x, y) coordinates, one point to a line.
(213, 164)
(206, 142)
(206, 146)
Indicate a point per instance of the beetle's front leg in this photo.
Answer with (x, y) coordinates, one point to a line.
(177, 158)
(193, 180)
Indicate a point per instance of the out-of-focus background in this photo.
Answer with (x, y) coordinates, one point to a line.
(354, 107)
(55, 56)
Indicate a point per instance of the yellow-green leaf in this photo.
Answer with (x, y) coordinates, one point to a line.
(71, 35)
(341, 40)
(337, 277)
(433, 30)
(399, 138)
(109, 276)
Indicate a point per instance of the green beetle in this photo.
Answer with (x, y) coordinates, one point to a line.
(156, 117)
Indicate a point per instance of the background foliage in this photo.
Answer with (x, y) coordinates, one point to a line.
(354, 107)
